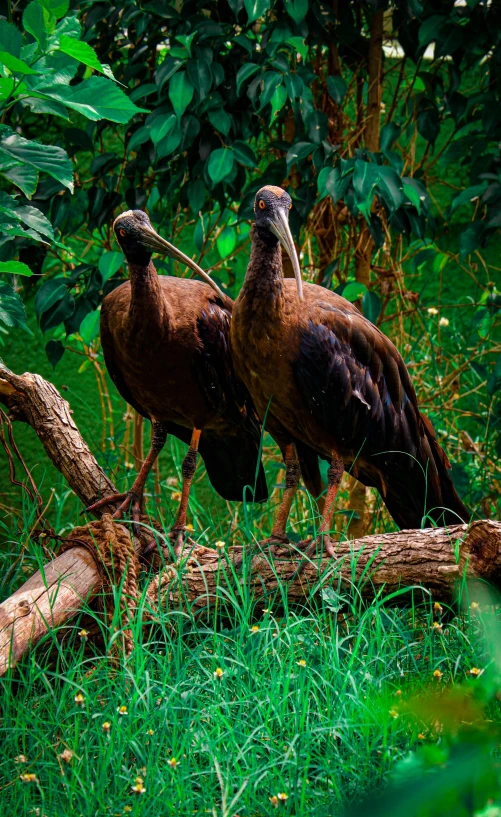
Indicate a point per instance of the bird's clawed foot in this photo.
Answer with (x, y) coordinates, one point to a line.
(179, 537)
(130, 499)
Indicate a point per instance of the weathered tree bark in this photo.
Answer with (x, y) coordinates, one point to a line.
(433, 559)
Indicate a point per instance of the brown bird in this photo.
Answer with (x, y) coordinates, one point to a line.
(332, 385)
(166, 347)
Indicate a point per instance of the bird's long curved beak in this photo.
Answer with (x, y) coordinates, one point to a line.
(153, 241)
(280, 227)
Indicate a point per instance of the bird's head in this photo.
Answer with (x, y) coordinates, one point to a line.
(139, 240)
(271, 209)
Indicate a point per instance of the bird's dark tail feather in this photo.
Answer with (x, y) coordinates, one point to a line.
(414, 491)
(231, 463)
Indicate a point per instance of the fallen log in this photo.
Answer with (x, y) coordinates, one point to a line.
(432, 559)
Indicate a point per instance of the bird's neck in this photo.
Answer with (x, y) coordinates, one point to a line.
(147, 306)
(264, 280)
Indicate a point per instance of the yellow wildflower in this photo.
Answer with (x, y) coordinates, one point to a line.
(476, 671)
(220, 544)
(173, 763)
(274, 801)
(282, 796)
(218, 673)
(437, 674)
(474, 605)
(79, 699)
(432, 310)
(67, 755)
(138, 787)
(437, 607)
(150, 732)
(254, 628)
(176, 496)
(437, 625)
(28, 778)
(106, 727)
(21, 759)
(301, 662)
(443, 322)
(84, 634)
(421, 736)
(122, 710)
(393, 713)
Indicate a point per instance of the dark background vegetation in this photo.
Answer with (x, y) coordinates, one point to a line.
(384, 122)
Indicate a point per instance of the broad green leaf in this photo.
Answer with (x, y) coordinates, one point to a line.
(353, 291)
(371, 306)
(271, 81)
(220, 164)
(296, 9)
(95, 98)
(256, 8)
(389, 134)
(321, 182)
(226, 241)
(16, 268)
(35, 219)
(6, 87)
(196, 195)
(180, 92)
(15, 65)
(431, 29)
(161, 126)
(58, 8)
(468, 195)
(413, 196)
(12, 312)
(47, 158)
(390, 188)
(200, 76)
(171, 140)
(245, 72)
(244, 154)
(81, 51)
(10, 38)
(299, 151)
(109, 264)
(277, 101)
(220, 120)
(23, 176)
(337, 88)
(36, 21)
(89, 328)
(139, 137)
(49, 294)
(470, 239)
(54, 350)
(365, 178)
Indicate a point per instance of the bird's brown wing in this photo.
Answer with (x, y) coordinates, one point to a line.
(356, 385)
(110, 358)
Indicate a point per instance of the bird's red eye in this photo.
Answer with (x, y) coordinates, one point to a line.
(122, 233)
(262, 204)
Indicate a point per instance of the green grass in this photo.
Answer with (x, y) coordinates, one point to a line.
(314, 703)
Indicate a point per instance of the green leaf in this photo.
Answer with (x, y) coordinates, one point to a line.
(16, 268)
(80, 51)
(271, 81)
(170, 140)
(196, 195)
(365, 178)
(296, 9)
(10, 38)
(109, 263)
(95, 98)
(24, 177)
(220, 164)
(6, 87)
(468, 195)
(47, 158)
(431, 28)
(220, 120)
(161, 126)
(244, 154)
(49, 294)
(226, 241)
(58, 8)
(200, 74)
(353, 291)
(413, 196)
(321, 182)
(35, 219)
(298, 152)
(390, 188)
(277, 101)
(180, 92)
(256, 8)
(54, 350)
(36, 21)
(389, 134)
(371, 306)
(470, 239)
(12, 312)
(337, 88)
(89, 327)
(245, 72)
(15, 65)
(139, 137)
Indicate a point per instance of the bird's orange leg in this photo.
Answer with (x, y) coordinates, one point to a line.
(187, 470)
(134, 496)
(334, 476)
(278, 533)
